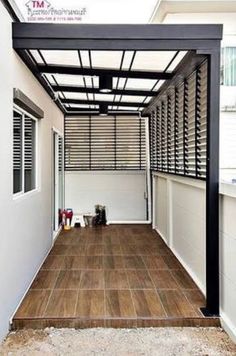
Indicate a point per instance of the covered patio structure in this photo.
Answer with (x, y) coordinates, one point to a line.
(182, 108)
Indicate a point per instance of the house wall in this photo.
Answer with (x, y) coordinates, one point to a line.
(122, 192)
(26, 222)
(179, 217)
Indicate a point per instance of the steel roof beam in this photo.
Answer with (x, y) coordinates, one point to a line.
(99, 102)
(78, 89)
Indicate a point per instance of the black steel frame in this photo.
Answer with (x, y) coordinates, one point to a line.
(56, 69)
(202, 40)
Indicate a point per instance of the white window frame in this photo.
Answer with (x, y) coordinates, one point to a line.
(22, 193)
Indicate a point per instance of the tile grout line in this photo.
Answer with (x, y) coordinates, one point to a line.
(182, 290)
(158, 296)
(77, 299)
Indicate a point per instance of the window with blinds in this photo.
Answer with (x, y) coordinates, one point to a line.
(24, 152)
(105, 143)
(178, 128)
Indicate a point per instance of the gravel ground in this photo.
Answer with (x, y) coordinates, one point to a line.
(122, 342)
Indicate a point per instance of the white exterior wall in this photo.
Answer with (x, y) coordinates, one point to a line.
(227, 258)
(179, 216)
(121, 192)
(26, 223)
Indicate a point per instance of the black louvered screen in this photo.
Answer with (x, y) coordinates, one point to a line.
(178, 128)
(105, 143)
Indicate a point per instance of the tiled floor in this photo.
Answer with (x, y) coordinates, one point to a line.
(119, 275)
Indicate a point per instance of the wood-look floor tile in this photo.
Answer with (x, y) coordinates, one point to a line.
(110, 239)
(68, 279)
(34, 304)
(155, 262)
(183, 279)
(62, 303)
(93, 262)
(129, 264)
(119, 304)
(139, 279)
(134, 262)
(147, 303)
(129, 249)
(76, 250)
(68, 240)
(60, 250)
(74, 262)
(54, 262)
(113, 262)
(95, 239)
(176, 304)
(172, 262)
(114, 249)
(45, 279)
(144, 249)
(92, 279)
(196, 298)
(95, 250)
(91, 303)
(163, 279)
(116, 279)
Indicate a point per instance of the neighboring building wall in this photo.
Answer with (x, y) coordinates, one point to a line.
(122, 192)
(228, 93)
(26, 222)
(228, 146)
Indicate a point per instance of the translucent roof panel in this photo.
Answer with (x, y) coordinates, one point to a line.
(79, 96)
(63, 79)
(177, 60)
(61, 57)
(36, 55)
(151, 60)
(106, 59)
(104, 97)
(127, 61)
(142, 84)
(136, 99)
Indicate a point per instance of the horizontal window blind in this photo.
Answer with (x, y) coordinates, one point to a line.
(105, 143)
(178, 127)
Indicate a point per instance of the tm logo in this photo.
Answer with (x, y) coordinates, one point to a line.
(38, 4)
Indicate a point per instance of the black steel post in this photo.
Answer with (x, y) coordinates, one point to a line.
(212, 187)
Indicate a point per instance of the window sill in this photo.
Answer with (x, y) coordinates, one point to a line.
(22, 196)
